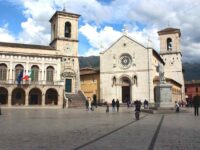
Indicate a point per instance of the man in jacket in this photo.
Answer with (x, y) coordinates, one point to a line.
(196, 101)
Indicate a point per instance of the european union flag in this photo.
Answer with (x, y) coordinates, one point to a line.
(20, 76)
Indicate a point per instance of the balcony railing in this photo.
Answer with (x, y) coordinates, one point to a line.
(41, 82)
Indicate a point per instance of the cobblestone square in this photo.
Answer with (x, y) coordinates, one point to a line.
(66, 129)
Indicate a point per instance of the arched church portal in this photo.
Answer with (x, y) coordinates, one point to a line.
(126, 89)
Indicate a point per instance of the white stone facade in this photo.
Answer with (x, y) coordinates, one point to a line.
(129, 70)
(138, 74)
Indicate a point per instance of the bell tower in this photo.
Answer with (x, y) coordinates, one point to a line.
(64, 39)
(171, 54)
(64, 32)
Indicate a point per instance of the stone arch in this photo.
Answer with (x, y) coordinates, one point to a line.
(51, 97)
(125, 76)
(35, 96)
(169, 44)
(68, 29)
(125, 82)
(3, 96)
(18, 96)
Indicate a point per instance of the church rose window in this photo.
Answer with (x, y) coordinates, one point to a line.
(3, 72)
(125, 61)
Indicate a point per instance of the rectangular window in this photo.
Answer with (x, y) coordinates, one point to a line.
(34, 75)
(49, 76)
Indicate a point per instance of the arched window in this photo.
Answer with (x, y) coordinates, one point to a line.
(169, 44)
(18, 70)
(34, 73)
(3, 72)
(50, 71)
(67, 29)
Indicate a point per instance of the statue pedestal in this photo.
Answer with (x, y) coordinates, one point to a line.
(164, 96)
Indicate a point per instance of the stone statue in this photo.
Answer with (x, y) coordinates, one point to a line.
(161, 74)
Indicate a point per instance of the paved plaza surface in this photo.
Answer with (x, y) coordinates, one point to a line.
(66, 129)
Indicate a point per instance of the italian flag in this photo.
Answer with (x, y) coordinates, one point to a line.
(29, 75)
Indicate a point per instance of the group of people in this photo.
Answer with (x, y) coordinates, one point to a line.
(114, 104)
(90, 104)
(137, 104)
(195, 102)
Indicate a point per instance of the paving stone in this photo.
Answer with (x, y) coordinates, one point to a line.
(58, 129)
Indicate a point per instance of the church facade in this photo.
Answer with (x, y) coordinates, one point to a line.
(40, 75)
(130, 71)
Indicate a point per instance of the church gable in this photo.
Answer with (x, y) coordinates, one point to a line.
(124, 54)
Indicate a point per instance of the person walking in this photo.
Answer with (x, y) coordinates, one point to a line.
(95, 100)
(113, 104)
(196, 101)
(107, 107)
(117, 105)
(177, 106)
(137, 109)
(146, 104)
(64, 103)
(87, 104)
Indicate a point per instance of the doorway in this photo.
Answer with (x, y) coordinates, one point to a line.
(126, 89)
(68, 85)
(125, 94)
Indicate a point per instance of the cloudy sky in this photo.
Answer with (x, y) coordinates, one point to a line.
(102, 22)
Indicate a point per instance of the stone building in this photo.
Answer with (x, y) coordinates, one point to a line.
(54, 69)
(90, 82)
(192, 88)
(133, 72)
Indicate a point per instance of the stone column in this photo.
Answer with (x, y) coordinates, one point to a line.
(9, 99)
(11, 72)
(26, 99)
(42, 73)
(43, 99)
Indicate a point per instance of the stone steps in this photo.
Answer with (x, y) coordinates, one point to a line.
(76, 100)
